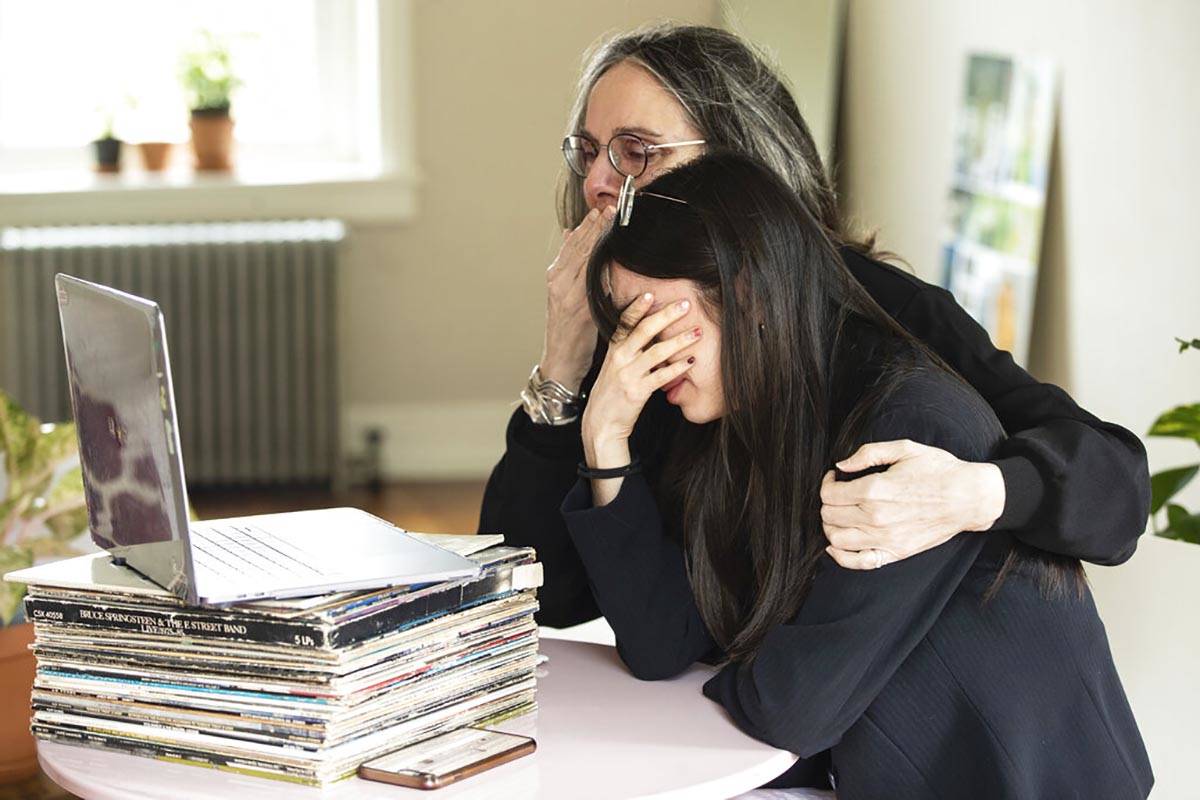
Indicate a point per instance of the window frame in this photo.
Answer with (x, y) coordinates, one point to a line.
(378, 185)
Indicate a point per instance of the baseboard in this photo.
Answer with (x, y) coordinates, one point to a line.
(427, 441)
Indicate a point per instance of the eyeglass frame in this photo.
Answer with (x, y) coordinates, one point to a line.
(607, 147)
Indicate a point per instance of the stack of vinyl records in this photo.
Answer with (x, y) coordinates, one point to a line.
(303, 690)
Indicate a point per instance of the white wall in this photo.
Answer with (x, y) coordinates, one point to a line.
(1120, 274)
(1146, 606)
(803, 38)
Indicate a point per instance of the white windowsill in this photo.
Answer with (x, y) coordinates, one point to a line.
(342, 191)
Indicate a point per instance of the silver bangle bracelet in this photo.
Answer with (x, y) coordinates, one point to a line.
(548, 402)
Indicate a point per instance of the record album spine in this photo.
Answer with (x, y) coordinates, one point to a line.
(172, 623)
(202, 624)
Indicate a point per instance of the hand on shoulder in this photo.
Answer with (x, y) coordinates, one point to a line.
(928, 493)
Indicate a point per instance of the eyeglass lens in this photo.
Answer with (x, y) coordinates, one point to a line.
(626, 152)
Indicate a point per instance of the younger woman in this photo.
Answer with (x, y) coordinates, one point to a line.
(978, 668)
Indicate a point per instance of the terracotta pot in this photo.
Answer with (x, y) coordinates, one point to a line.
(154, 155)
(18, 757)
(212, 140)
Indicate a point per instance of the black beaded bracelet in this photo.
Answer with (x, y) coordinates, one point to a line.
(632, 468)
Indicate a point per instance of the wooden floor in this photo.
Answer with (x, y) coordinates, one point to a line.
(39, 787)
(426, 507)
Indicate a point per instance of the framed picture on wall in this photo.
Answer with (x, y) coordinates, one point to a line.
(997, 200)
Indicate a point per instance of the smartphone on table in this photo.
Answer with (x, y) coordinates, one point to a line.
(447, 758)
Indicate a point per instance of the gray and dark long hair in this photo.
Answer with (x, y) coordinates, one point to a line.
(732, 95)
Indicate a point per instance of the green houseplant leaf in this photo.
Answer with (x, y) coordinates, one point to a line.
(1182, 525)
(1181, 422)
(206, 72)
(42, 510)
(18, 433)
(11, 593)
(1166, 484)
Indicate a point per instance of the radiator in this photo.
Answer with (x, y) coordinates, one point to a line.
(250, 313)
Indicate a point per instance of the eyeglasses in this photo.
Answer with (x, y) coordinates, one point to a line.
(628, 154)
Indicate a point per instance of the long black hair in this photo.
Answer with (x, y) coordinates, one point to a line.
(743, 492)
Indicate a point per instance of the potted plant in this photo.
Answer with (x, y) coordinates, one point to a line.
(1145, 604)
(107, 148)
(1181, 422)
(208, 80)
(42, 517)
(154, 155)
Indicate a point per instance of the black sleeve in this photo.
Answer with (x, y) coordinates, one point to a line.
(524, 496)
(812, 678)
(522, 501)
(639, 579)
(1074, 485)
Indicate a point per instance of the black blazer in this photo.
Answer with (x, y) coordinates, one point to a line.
(1075, 485)
(899, 681)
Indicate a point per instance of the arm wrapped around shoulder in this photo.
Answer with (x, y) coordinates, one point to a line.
(1075, 485)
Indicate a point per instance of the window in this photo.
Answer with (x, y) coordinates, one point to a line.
(310, 69)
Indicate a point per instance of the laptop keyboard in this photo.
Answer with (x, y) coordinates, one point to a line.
(234, 551)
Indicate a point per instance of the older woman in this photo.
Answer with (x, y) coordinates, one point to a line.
(1063, 481)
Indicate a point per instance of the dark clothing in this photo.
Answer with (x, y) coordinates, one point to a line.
(913, 685)
(1074, 485)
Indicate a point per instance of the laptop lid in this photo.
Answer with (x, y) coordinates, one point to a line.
(124, 405)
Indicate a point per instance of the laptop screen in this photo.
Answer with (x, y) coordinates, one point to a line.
(129, 449)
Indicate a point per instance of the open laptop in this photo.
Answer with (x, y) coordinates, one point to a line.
(124, 404)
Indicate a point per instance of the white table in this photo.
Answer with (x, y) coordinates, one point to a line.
(601, 734)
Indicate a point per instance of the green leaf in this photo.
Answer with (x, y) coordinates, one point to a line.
(7, 508)
(68, 524)
(53, 452)
(1166, 484)
(1181, 422)
(1184, 344)
(42, 477)
(55, 445)
(50, 550)
(11, 593)
(18, 433)
(207, 75)
(67, 489)
(1182, 525)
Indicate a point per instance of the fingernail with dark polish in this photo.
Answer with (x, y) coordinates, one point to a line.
(691, 359)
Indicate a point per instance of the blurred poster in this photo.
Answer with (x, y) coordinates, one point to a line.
(993, 232)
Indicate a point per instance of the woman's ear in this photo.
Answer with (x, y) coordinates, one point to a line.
(748, 303)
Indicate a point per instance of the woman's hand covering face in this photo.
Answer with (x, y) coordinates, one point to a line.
(925, 497)
(570, 333)
(634, 368)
